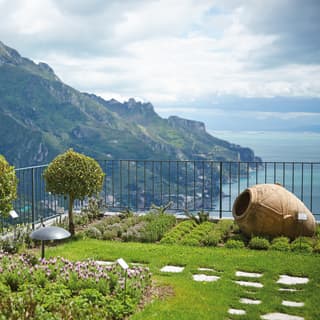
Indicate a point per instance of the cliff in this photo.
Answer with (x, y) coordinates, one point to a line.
(40, 117)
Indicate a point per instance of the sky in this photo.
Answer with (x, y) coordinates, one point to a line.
(236, 65)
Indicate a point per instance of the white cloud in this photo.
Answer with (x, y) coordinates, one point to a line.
(163, 51)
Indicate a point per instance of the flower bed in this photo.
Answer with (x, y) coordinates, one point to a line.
(60, 289)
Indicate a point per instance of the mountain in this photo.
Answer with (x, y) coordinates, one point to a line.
(40, 117)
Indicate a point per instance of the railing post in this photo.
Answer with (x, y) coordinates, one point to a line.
(33, 195)
(220, 192)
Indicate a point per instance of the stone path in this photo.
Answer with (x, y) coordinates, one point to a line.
(283, 280)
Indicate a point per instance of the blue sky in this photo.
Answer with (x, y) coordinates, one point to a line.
(245, 65)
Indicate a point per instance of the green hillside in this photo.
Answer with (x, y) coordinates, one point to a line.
(40, 117)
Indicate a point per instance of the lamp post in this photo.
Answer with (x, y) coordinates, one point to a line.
(49, 233)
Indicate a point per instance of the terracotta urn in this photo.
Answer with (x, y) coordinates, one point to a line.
(271, 210)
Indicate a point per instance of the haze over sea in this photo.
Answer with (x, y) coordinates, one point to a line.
(277, 146)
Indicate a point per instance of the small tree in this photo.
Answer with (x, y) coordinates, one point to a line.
(74, 175)
(8, 186)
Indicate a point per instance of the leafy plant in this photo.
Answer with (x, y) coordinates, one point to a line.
(212, 238)
(127, 213)
(316, 247)
(200, 217)
(234, 244)
(259, 243)
(9, 245)
(302, 244)
(318, 231)
(8, 186)
(94, 233)
(280, 244)
(74, 175)
(220, 231)
(161, 209)
(92, 210)
(157, 224)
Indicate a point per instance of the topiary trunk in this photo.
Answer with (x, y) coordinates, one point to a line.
(70, 215)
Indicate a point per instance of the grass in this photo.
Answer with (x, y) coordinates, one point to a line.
(195, 300)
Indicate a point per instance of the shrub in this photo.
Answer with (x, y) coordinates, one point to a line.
(240, 236)
(212, 238)
(175, 234)
(198, 233)
(8, 186)
(259, 243)
(225, 226)
(9, 245)
(302, 244)
(318, 231)
(316, 247)
(92, 211)
(135, 233)
(168, 240)
(109, 235)
(280, 244)
(157, 225)
(94, 233)
(200, 217)
(190, 241)
(234, 244)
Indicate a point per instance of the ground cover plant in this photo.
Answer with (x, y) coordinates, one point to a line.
(184, 298)
(57, 288)
(148, 228)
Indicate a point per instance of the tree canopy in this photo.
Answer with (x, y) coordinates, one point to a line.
(8, 186)
(74, 175)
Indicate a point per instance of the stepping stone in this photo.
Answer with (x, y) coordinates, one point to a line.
(104, 263)
(249, 301)
(205, 269)
(205, 278)
(174, 269)
(285, 279)
(288, 289)
(238, 312)
(248, 274)
(280, 316)
(292, 303)
(249, 284)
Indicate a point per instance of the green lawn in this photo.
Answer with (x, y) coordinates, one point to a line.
(199, 300)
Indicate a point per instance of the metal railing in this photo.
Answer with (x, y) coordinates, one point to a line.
(189, 185)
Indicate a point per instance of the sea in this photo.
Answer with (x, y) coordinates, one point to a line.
(277, 146)
(293, 160)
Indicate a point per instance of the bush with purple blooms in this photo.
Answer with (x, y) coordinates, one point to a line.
(57, 288)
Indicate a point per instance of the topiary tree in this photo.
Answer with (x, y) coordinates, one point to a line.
(8, 186)
(74, 175)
